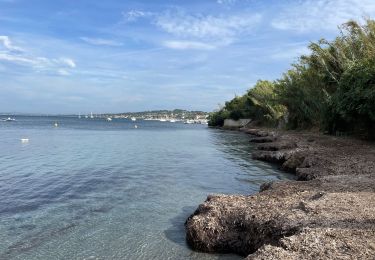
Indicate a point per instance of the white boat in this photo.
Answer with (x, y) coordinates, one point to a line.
(134, 119)
(172, 120)
(24, 140)
(79, 115)
(55, 124)
(109, 119)
(163, 120)
(9, 119)
(86, 116)
(91, 116)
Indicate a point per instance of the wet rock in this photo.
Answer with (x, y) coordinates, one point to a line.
(266, 139)
(257, 132)
(272, 156)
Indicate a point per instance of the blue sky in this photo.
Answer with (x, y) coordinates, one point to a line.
(76, 56)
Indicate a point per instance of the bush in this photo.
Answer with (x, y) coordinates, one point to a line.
(333, 88)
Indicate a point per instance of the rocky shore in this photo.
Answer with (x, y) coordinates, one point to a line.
(327, 213)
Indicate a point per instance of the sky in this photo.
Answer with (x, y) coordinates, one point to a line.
(78, 56)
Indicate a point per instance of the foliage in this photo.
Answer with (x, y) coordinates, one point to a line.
(259, 103)
(332, 88)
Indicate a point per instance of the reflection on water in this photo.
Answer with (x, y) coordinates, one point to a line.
(92, 189)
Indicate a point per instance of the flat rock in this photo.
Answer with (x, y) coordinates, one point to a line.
(328, 214)
(266, 139)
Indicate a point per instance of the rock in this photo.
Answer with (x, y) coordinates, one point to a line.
(329, 213)
(272, 156)
(276, 146)
(266, 139)
(294, 161)
(257, 132)
(287, 215)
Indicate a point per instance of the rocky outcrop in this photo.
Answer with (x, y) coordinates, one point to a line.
(235, 124)
(328, 214)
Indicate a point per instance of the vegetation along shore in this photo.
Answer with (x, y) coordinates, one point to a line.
(328, 212)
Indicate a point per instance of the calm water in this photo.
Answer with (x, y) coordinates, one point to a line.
(92, 189)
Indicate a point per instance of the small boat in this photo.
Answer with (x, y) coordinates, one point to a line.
(91, 116)
(9, 119)
(24, 140)
(163, 120)
(109, 119)
(134, 119)
(55, 124)
(135, 126)
(172, 120)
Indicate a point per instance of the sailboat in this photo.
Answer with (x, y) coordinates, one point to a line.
(79, 115)
(91, 116)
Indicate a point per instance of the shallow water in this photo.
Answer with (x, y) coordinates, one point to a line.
(92, 189)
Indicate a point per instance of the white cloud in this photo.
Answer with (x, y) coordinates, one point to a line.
(100, 41)
(134, 15)
(206, 27)
(185, 45)
(63, 72)
(16, 59)
(290, 52)
(317, 15)
(67, 61)
(14, 54)
(225, 2)
(7, 44)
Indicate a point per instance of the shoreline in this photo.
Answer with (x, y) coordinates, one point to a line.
(328, 212)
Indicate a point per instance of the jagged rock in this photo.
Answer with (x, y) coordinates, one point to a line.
(272, 156)
(294, 161)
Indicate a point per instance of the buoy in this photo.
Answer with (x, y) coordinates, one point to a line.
(24, 140)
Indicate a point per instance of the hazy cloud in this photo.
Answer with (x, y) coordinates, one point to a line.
(134, 15)
(100, 41)
(17, 55)
(7, 44)
(185, 45)
(225, 2)
(317, 15)
(206, 26)
(69, 62)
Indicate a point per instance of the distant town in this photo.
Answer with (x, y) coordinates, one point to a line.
(173, 116)
(176, 115)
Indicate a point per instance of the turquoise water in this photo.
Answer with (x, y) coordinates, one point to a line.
(92, 189)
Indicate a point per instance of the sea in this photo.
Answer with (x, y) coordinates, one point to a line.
(98, 189)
